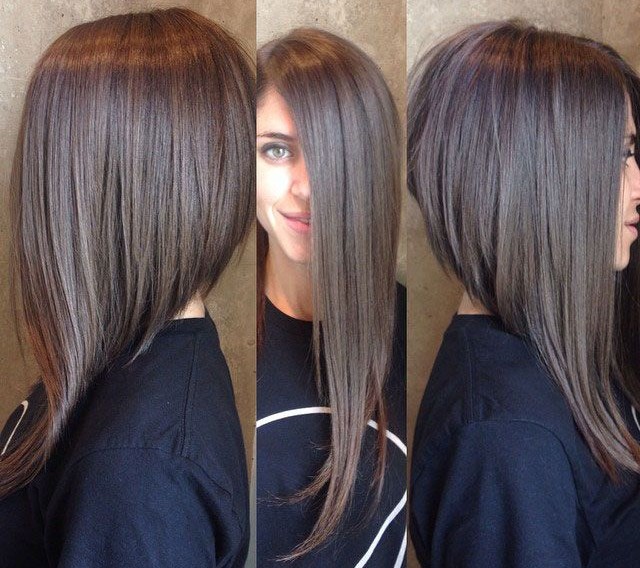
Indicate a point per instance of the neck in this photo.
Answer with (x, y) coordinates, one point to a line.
(288, 285)
(472, 307)
(193, 309)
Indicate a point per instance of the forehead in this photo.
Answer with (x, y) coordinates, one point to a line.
(273, 115)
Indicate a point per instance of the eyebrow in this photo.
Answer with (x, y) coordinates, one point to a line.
(277, 136)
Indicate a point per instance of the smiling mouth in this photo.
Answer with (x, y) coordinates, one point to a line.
(304, 218)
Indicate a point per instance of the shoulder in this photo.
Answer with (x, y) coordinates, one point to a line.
(511, 451)
(500, 484)
(484, 374)
(142, 503)
(175, 399)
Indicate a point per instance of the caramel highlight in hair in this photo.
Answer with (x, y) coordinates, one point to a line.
(133, 183)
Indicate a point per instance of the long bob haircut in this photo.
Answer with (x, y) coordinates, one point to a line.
(133, 183)
(349, 134)
(515, 156)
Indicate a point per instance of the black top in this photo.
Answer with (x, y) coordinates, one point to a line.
(501, 476)
(150, 472)
(291, 448)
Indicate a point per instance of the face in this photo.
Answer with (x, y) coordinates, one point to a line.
(283, 206)
(627, 221)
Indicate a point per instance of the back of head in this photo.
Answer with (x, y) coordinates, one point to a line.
(515, 156)
(133, 183)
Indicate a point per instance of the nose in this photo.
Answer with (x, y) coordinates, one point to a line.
(634, 180)
(300, 181)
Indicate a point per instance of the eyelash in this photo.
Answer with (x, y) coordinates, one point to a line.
(267, 148)
(629, 153)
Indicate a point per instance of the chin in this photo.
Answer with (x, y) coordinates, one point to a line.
(622, 263)
(297, 251)
(300, 258)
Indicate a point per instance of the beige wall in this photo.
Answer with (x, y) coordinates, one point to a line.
(621, 28)
(376, 26)
(26, 29)
(433, 298)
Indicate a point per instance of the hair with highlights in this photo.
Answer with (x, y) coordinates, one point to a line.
(515, 157)
(349, 134)
(133, 183)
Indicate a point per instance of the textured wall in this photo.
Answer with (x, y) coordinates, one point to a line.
(25, 31)
(433, 298)
(376, 26)
(621, 28)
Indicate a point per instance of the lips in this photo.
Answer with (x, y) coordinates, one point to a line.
(302, 217)
(631, 225)
(299, 221)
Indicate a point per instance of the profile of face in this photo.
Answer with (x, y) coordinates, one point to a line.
(627, 219)
(283, 206)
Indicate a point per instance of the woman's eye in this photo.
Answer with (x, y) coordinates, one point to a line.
(629, 152)
(276, 152)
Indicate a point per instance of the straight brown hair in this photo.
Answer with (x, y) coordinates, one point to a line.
(349, 134)
(515, 153)
(133, 183)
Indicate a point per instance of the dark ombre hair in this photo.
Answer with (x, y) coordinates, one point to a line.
(349, 135)
(515, 153)
(133, 183)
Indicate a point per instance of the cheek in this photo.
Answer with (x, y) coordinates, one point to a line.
(626, 191)
(624, 199)
(622, 204)
(272, 186)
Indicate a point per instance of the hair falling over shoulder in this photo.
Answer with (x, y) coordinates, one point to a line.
(349, 134)
(133, 183)
(515, 138)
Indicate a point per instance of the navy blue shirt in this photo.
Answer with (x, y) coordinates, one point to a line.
(293, 431)
(150, 470)
(501, 477)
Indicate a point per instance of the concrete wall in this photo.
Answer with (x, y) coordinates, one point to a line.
(621, 28)
(26, 29)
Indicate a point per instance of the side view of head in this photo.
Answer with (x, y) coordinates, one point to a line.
(133, 184)
(520, 156)
(334, 209)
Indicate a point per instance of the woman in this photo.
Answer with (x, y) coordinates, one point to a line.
(331, 363)
(521, 156)
(132, 186)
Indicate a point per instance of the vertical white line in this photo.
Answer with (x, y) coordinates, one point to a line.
(383, 528)
(401, 553)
